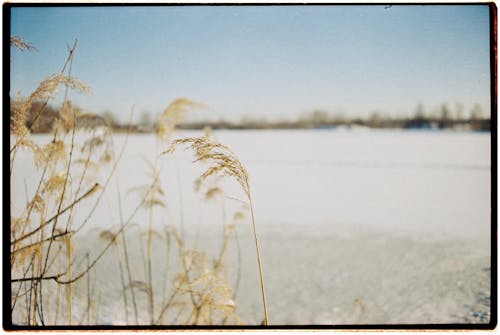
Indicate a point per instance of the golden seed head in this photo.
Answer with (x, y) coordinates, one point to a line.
(222, 160)
(21, 44)
(67, 117)
(37, 203)
(51, 153)
(108, 236)
(173, 115)
(55, 183)
(239, 216)
(207, 130)
(213, 192)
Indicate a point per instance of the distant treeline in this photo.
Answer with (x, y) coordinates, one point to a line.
(444, 119)
(480, 124)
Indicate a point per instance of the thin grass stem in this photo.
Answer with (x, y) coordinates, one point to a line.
(263, 290)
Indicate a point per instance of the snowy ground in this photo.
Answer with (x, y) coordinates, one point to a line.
(374, 227)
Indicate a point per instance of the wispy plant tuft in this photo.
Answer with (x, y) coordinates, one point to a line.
(173, 115)
(222, 160)
(45, 91)
(21, 44)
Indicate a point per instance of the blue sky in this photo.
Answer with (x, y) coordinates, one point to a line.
(262, 61)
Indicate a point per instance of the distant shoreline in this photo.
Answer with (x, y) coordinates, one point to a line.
(476, 121)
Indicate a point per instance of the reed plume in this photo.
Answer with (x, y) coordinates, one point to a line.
(21, 44)
(173, 115)
(45, 91)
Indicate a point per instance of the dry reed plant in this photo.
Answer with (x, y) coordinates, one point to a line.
(195, 289)
(200, 295)
(50, 271)
(42, 247)
(216, 193)
(229, 231)
(222, 161)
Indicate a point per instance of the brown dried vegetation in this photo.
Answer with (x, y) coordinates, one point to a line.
(45, 280)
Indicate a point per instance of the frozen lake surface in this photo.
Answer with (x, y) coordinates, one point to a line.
(374, 227)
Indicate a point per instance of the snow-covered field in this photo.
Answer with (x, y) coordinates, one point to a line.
(374, 227)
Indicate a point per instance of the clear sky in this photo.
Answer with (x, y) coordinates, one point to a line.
(262, 61)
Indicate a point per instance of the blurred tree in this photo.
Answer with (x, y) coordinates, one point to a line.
(145, 121)
(339, 118)
(476, 112)
(419, 120)
(419, 111)
(110, 119)
(445, 121)
(319, 118)
(459, 111)
(375, 120)
(478, 121)
(44, 121)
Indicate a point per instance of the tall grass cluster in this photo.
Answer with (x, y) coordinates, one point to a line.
(51, 270)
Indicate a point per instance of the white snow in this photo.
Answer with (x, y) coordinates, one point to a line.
(355, 226)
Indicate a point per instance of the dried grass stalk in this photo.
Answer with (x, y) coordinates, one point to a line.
(222, 161)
